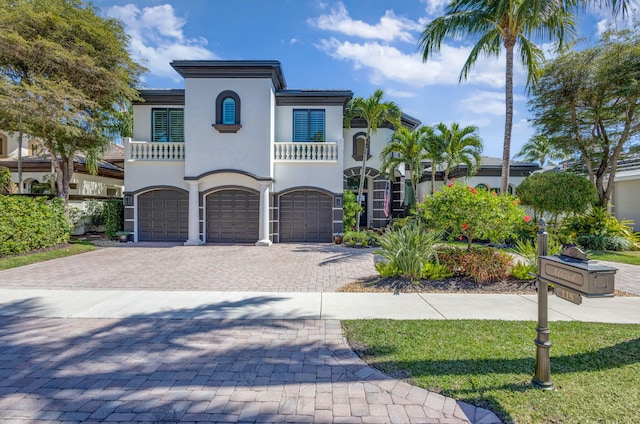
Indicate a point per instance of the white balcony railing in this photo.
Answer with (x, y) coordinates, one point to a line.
(315, 152)
(143, 150)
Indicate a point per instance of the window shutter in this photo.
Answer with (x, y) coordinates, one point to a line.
(316, 125)
(228, 111)
(301, 125)
(176, 126)
(159, 126)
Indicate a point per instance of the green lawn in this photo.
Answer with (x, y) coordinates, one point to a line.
(595, 367)
(16, 261)
(630, 257)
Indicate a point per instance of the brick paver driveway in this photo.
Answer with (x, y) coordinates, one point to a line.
(280, 267)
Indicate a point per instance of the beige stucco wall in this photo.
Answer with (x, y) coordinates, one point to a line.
(626, 200)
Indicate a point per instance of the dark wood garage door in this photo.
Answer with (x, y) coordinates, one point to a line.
(233, 216)
(306, 216)
(163, 215)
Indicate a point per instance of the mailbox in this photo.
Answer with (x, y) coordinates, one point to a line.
(585, 277)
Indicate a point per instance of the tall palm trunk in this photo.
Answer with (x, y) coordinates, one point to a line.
(509, 42)
(363, 170)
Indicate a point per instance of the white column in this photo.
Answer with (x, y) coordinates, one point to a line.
(264, 214)
(194, 215)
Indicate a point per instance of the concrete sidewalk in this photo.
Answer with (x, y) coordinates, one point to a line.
(119, 304)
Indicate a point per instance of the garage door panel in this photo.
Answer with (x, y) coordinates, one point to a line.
(306, 216)
(233, 216)
(163, 216)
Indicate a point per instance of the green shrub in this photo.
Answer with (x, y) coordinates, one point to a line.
(350, 209)
(406, 251)
(600, 242)
(356, 238)
(436, 271)
(522, 271)
(482, 264)
(598, 222)
(557, 193)
(114, 217)
(28, 223)
(467, 212)
(95, 213)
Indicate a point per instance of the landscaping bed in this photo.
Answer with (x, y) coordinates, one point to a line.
(449, 285)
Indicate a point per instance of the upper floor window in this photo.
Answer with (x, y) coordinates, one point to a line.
(308, 125)
(4, 150)
(35, 148)
(167, 125)
(227, 112)
(358, 146)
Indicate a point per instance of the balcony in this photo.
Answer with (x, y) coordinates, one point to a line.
(306, 152)
(147, 151)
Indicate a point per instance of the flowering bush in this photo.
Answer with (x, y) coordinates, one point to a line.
(467, 212)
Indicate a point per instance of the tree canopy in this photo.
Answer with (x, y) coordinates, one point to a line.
(493, 24)
(588, 101)
(65, 73)
(461, 145)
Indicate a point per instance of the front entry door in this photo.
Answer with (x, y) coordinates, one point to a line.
(363, 214)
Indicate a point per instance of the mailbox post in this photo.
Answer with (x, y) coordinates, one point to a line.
(573, 277)
(542, 377)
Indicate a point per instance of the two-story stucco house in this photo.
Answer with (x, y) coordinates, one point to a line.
(237, 157)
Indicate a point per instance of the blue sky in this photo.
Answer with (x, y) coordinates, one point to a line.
(357, 45)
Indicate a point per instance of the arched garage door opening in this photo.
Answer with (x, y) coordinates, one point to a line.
(306, 216)
(163, 215)
(233, 216)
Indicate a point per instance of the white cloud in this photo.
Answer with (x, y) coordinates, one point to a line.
(391, 92)
(157, 38)
(487, 102)
(389, 28)
(383, 63)
(435, 7)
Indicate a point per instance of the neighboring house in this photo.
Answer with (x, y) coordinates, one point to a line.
(237, 157)
(37, 170)
(625, 201)
(487, 176)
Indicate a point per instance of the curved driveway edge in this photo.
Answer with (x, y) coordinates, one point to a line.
(176, 370)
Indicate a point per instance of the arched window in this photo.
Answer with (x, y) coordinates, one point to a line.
(4, 148)
(227, 112)
(358, 146)
(35, 148)
(482, 186)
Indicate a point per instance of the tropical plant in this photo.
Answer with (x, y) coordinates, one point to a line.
(598, 222)
(459, 146)
(482, 264)
(540, 148)
(374, 112)
(405, 251)
(406, 148)
(114, 217)
(472, 213)
(493, 24)
(434, 151)
(350, 209)
(527, 254)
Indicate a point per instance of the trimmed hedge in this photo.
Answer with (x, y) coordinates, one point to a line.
(28, 223)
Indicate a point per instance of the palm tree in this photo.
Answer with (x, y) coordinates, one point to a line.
(374, 112)
(538, 149)
(501, 22)
(461, 146)
(435, 150)
(408, 148)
